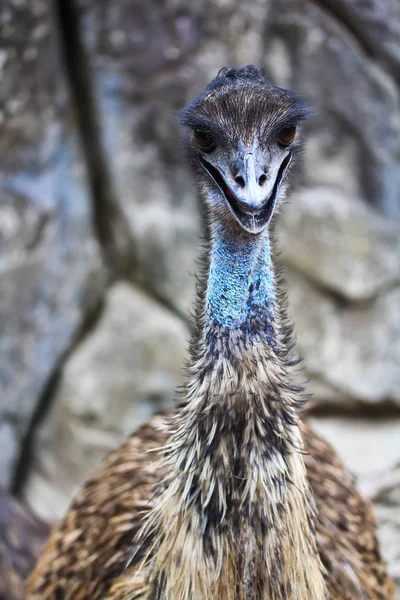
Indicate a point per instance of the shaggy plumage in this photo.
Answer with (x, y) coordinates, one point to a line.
(231, 497)
(22, 536)
(88, 554)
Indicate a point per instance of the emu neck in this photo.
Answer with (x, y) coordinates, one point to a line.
(234, 520)
(240, 290)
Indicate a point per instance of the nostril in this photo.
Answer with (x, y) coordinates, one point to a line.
(240, 181)
(262, 180)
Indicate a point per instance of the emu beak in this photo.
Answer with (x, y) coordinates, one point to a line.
(250, 194)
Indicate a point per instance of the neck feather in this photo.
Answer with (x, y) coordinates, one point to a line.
(234, 519)
(240, 291)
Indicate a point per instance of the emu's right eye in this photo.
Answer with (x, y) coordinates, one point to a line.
(205, 140)
(286, 136)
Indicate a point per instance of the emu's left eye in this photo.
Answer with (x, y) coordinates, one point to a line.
(286, 136)
(205, 140)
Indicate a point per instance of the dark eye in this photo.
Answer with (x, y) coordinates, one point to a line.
(204, 139)
(286, 136)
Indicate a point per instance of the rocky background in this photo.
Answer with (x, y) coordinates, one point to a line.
(99, 224)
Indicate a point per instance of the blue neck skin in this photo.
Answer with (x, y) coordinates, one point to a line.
(240, 293)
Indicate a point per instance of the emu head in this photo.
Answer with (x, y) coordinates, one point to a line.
(243, 142)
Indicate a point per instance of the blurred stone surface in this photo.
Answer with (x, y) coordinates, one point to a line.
(141, 80)
(352, 351)
(355, 142)
(339, 234)
(370, 448)
(376, 25)
(126, 369)
(50, 271)
(345, 245)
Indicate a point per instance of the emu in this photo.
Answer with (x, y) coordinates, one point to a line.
(232, 497)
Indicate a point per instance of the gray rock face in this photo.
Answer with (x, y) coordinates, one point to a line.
(339, 235)
(356, 147)
(139, 98)
(49, 266)
(125, 370)
(351, 351)
(376, 26)
(345, 246)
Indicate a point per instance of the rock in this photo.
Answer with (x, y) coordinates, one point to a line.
(141, 80)
(352, 352)
(339, 234)
(126, 369)
(50, 269)
(370, 449)
(155, 194)
(341, 243)
(10, 450)
(355, 145)
(376, 25)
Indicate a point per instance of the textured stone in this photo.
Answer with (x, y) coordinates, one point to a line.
(351, 351)
(141, 80)
(155, 194)
(376, 25)
(371, 449)
(355, 146)
(341, 243)
(126, 369)
(50, 271)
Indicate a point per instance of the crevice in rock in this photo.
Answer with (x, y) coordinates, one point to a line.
(357, 409)
(359, 31)
(350, 405)
(44, 403)
(347, 20)
(162, 300)
(109, 225)
(341, 300)
(336, 296)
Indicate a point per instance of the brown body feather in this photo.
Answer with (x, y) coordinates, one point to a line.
(22, 536)
(87, 555)
(233, 498)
